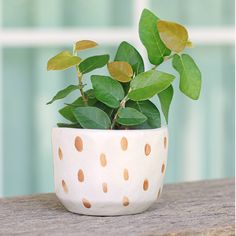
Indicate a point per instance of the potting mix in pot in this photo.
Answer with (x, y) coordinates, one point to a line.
(110, 155)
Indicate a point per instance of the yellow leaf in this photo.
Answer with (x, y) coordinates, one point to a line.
(120, 70)
(173, 35)
(189, 44)
(85, 44)
(62, 61)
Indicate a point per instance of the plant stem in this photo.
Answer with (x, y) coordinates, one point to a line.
(169, 57)
(81, 85)
(154, 67)
(115, 118)
(80, 77)
(122, 105)
(165, 59)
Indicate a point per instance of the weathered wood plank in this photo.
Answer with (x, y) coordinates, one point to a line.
(197, 208)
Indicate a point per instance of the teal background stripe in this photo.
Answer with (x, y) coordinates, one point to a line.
(201, 132)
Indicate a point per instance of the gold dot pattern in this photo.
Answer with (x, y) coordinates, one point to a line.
(81, 175)
(79, 144)
(103, 160)
(163, 168)
(64, 186)
(124, 144)
(60, 154)
(147, 149)
(145, 185)
(125, 201)
(165, 142)
(126, 174)
(86, 203)
(104, 187)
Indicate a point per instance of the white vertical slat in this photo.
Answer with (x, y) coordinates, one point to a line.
(43, 156)
(234, 94)
(1, 110)
(138, 8)
(139, 5)
(193, 161)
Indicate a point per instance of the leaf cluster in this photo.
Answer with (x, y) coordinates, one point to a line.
(121, 100)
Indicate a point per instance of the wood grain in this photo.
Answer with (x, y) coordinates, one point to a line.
(196, 208)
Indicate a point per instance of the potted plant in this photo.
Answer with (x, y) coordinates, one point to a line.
(110, 159)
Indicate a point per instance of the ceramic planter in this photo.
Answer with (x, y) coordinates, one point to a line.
(109, 172)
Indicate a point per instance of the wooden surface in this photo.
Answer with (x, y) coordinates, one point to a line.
(197, 208)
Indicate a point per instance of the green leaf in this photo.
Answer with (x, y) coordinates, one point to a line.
(120, 70)
(150, 38)
(63, 93)
(90, 96)
(126, 52)
(91, 99)
(130, 116)
(64, 125)
(165, 98)
(105, 108)
(63, 61)
(107, 90)
(92, 118)
(150, 111)
(174, 35)
(92, 63)
(67, 111)
(149, 83)
(190, 75)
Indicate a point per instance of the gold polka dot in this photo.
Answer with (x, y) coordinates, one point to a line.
(60, 154)
(126, 174)
(163, 168)
(125, 201)
(79, 144)
(145, 185)
(124, 143)
(103, 160)
(147, 149)
(165, 142)
(64, 186)
(104, 187)
(81, 175)
(86, 203)
(159, 193)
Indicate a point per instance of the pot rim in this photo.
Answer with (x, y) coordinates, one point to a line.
(164, 127)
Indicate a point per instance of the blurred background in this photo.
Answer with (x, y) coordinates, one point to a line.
(32, 31)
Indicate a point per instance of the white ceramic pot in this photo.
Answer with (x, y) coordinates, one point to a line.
(109, 172)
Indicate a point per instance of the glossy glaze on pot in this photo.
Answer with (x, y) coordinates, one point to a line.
(109, 172)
